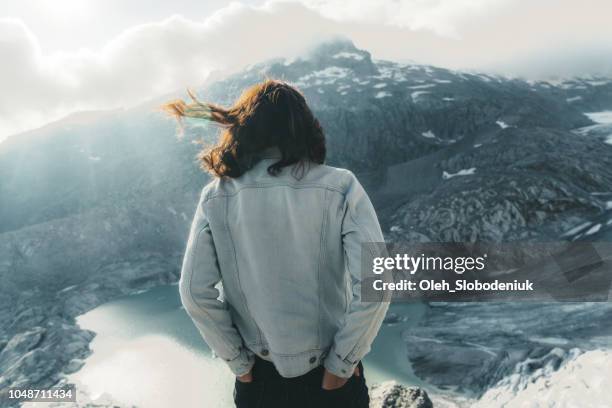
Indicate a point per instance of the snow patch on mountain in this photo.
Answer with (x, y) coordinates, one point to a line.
(328, 75)
(464, 172)
(429, 134)
(502, 124)
(349, 55)
(387, 70)
(595, 228)
(425, 86)
(576, 229)
(360, 82)
(573, 99)
(604, 117)
(598, 83)
(414, 95)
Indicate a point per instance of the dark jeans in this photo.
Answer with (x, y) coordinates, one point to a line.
(270, 390)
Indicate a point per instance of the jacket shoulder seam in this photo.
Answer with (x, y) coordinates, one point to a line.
(210, 196)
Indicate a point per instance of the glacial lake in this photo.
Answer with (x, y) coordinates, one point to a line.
(148, 353)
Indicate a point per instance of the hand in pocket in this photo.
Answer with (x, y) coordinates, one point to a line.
(333, 382)
(246, 378)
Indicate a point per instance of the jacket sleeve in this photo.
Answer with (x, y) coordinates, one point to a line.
(199, 275)
(363, 319)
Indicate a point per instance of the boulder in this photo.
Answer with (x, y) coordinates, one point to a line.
(393, 395)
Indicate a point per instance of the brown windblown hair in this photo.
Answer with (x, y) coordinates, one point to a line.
(269, 114)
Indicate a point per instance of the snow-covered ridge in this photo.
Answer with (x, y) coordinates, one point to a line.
(574, 83)
(328, 70)
(582, 381)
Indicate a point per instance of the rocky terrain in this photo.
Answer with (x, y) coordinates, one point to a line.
(98, 204)
(392, 395)
(517, 184)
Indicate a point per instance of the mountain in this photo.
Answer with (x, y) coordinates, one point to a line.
(394, 112)
(99, 204)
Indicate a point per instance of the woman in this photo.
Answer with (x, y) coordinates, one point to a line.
(282, 232)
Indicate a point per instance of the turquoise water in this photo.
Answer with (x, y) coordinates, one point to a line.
(147, 352)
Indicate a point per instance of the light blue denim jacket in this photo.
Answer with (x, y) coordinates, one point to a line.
(287, 250)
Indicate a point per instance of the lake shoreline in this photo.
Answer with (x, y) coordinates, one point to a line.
(47, 328)
(40, 340)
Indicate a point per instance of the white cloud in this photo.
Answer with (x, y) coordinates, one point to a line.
(440, 16)
(144, 61)
(532, 38)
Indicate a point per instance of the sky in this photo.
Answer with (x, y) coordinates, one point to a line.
(62, 56)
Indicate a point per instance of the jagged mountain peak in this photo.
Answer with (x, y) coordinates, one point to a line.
(338, 49)
(336, 54)
(341, 53)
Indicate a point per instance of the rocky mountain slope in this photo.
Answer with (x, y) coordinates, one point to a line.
(99, 204)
